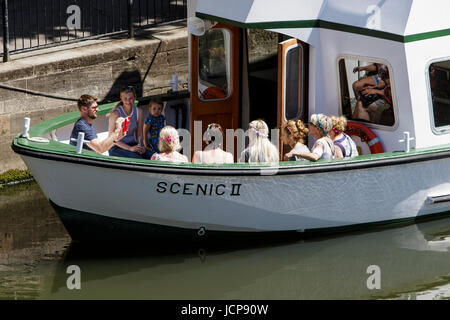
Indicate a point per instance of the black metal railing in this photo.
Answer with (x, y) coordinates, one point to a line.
(33, 24)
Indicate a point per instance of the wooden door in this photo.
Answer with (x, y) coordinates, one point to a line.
(292, 84)
(215, 79)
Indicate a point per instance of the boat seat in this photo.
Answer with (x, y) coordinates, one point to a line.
(101, 136)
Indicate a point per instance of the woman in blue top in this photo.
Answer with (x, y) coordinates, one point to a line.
(130, 146)
(341, 139)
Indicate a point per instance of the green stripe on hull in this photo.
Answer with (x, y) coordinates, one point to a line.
(330, 26)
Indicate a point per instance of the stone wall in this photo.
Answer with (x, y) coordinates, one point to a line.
(46, 83)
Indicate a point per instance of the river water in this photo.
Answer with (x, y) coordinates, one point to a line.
(409, 262)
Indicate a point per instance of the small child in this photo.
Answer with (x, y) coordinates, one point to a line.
(153, 125)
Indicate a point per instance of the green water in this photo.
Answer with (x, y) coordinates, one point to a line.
(35, 252)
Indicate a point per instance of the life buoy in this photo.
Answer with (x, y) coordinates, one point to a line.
(213, 93)
(366, 135)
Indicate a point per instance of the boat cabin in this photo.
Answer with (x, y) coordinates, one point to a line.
(285, 60)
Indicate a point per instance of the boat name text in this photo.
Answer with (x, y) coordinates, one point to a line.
(196, 189)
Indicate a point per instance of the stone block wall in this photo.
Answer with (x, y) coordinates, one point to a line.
(47, 83)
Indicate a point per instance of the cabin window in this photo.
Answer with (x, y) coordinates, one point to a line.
(366, 94)
(214, 65)
(293, 87)
(439, 75)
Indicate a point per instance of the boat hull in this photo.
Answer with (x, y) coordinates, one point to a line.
(242, 204)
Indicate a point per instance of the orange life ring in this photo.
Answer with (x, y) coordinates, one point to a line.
(213, 93)
(366, 135)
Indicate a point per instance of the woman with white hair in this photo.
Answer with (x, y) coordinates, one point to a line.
(260, 149)
(324, 148)
(169, 144)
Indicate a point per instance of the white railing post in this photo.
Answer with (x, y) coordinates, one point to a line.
(174, 83)
(406, 140)
(80, 142)
(26, 128)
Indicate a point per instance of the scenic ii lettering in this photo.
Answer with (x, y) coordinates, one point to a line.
(199, 189)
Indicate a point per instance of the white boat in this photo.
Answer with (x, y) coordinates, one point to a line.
(278, 61)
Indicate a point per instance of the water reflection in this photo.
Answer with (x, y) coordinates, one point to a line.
(411, 259)
(32, 239)
(414, 262)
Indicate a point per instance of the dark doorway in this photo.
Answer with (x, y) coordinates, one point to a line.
(262, 48)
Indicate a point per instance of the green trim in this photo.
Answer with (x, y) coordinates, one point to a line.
(427, 35)
(328, 25)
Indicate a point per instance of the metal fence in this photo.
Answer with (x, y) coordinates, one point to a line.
(33, 24)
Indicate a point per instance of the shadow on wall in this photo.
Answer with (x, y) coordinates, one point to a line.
(126, 78)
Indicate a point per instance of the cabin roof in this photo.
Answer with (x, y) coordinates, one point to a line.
(398, 20)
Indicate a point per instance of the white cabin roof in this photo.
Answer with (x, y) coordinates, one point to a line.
(399, 20)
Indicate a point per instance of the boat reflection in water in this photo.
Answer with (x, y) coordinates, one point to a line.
(411, 259)
(414, 262)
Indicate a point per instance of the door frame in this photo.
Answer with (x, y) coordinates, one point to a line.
(228, 107)
(283, 48)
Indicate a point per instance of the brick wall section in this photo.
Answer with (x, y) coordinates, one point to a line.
(100, 69)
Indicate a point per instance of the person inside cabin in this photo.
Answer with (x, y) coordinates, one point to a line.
(131, 145)
(341, 139)
(260, 149)
(169, 144)
(380, 110)
(88, 107)
(153, 124)
(377, 80)
(293, 134)
(213, 153)
(324, 148)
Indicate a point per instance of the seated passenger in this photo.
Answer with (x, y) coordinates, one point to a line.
(379, 111)
(293, 134)
(213, 153)
(153, 124)
(377, 81)
(260, 149)
(88, 107)
(319, 126)
(341, 139)
(132, 144)
(169, 144)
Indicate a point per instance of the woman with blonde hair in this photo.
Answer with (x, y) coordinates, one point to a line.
(213, 153)
(131, 145)
(293, 134)
(319, 126)
(169, 144)
(341, 139)
(260, 149)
